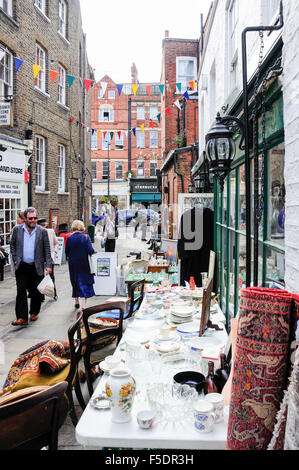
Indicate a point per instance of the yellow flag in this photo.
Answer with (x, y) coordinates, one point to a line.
(99, 132)
(36, 70)
(135, 88)
(142, 127)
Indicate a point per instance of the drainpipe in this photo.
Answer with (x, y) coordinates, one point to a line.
(177, 172)
(84, 134)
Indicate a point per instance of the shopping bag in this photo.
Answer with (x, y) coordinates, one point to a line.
(46, 286)
(91, 265)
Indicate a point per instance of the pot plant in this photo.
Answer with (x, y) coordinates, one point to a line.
(130, 172)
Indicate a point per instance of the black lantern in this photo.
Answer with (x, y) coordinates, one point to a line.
(220, 146)
(199, 181)
(191, 187)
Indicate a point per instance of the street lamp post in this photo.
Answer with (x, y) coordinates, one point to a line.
(108, 188)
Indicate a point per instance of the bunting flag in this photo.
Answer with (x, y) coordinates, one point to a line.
(36, 70)
(142, 128)
(18, 63)
(186, 95)
(177, 103)
(87, 83)
(134, 131)
(192, 84)
(72, 119)
(104, 133)
(119, 88)
(111, 135)
(53, 75)
(119, 134)
(161, 89)
(92, 131)
(148, 89)
(70, 79)
(99, 132)
(151, 124)
(135, 88)
(179, 87)
(104, 87)
(167, 110)
(159, 117)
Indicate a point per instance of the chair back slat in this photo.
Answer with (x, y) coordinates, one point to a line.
(135, 303)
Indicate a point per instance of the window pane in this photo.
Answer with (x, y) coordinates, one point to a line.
(153, 112)
(140, 168)
(153, 139)
(242, 199)
(276, 201)
(275, 269)
(140, 112)
(118, 170)
(140, 139)
(153, 166)
(94, 170)
(105, 170)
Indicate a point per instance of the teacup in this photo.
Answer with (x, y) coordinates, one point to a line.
(165, 332)
(145, 418)
(112, 361)
(217, 400)
(204, 416)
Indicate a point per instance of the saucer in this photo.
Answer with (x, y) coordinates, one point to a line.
(183, 311)
(167, 347)
(101, 402)
(169, 337)
(105, 368)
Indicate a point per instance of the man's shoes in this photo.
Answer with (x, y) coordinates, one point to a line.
(77, 305)
(55, 297)
(20, 322)
(33, 317)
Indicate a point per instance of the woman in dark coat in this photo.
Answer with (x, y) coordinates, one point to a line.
(78, 247)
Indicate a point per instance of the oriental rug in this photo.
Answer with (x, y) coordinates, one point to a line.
(46, 363)
(261, 367)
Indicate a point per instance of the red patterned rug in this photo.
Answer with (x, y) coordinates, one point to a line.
(261, 366)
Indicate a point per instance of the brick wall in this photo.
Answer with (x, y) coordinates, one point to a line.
(40, 112)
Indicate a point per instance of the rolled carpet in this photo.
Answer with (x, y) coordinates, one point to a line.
(261, 367)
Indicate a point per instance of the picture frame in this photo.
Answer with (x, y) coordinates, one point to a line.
(206, 306)
(170, 248)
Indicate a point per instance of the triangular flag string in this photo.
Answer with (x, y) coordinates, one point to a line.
(148, 89)
(161, 89)
(70, 79)
(18, 63)
(87, 83)
(135, 88)
(36, 70)
(119, 88)
(53, 75)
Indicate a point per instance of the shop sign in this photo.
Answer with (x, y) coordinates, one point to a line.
(12, 165)
(10, 190)
(144, 186)
(5, 114)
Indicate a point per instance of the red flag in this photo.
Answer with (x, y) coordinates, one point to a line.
(53, 75)
(72, 119)
(119, 134)
(167, 110)
(104, 133)
(151, 124)
(148, 89)
(87, 83)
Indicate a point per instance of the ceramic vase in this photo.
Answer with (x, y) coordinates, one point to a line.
(120, 388)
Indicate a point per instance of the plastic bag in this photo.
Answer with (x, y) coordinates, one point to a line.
(46, 286)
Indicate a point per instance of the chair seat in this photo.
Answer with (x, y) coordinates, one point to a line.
(115, 313)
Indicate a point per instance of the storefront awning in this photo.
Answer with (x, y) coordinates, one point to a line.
(146, 197)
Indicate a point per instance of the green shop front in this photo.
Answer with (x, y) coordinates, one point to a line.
(230, 205)
(145, 192)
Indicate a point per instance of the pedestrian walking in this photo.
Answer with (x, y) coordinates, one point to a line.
(54, 249)
(143, 226)
(20, 218)
(109, 235)
(78, 247)
(31, 257)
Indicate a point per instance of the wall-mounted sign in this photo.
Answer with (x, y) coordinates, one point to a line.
(12, 165)
(6, 115)
(144, 186)
(54, 220)
(10, 190)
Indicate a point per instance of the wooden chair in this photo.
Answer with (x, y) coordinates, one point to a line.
(32, 421)
(135, 302)
(76, 352)
(94, 337)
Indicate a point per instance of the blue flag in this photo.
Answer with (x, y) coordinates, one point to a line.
(18, 63)
(119, 88)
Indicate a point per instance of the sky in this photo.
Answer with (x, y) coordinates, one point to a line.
(121, 32)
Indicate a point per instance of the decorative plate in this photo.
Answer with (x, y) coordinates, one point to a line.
(190, 327)
(184, 311)
(101, 402)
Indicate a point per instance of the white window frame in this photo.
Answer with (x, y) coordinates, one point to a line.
(61, 168)
(6, 74)
(184, 83)
(154, 111)
(117, 170)
(119, 141)
(100, 94)
(232, 25)
(110, 118)
(153, 173)
(40, 59)
(61, 85)
(94, 170)
(8, 11)
(40, 159)
(140, 113)
(154, 139)
(140, 139)
(62, 17)
(105, 141)
(106, 174)
(111, 94)
(94, 141)
(137, 168)
(41, 5)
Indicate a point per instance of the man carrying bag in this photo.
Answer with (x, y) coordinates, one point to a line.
(31, 256)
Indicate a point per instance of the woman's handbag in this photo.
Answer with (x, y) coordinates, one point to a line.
(91, 265)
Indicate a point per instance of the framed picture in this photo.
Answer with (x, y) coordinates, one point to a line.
(54, 220)
(170, 248)
(206, 305)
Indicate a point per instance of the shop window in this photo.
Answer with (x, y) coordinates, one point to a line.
(6, 73)
(40, 159)
(8, 216)
(61, 168)
(40, 59)
(276, 195)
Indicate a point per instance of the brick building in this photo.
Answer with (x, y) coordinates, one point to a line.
(47, 34)
(126, 138)
(179, 119)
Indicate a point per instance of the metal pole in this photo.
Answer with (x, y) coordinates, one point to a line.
(246, 136)
(108, 170)
(129, 133)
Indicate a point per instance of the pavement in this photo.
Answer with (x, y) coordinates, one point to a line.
(54, 320)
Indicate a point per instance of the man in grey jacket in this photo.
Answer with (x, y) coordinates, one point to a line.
(31, 255)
